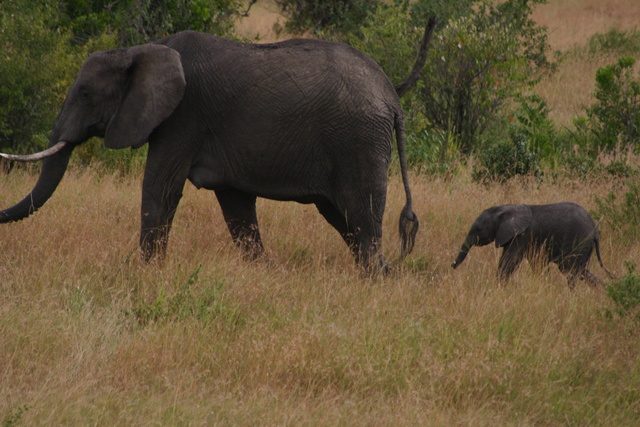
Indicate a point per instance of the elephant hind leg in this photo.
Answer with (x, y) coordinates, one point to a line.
(576, 268)
(239, 211)
(593, 280)
(363, 248)
(337, 221)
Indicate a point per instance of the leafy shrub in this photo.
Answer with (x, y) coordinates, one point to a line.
(141, 21)
(620, 169)
(432, 153)
(329, 16)
(578, 165)
(477, 63)
(531, 119)
(32, 72)
(625, 293)
(124, 161)
(624, 217)
(615, 117)
(507, 159)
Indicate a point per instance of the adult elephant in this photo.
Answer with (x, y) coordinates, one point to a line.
(303, 120)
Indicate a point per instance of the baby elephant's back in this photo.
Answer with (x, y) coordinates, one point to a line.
(565, 227)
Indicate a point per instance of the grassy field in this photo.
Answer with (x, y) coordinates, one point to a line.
(91, 335)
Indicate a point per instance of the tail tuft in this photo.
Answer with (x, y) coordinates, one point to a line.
(408, 227)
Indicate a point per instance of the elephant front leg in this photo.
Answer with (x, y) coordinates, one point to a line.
(511, 257)
(158, 211)
(239, 211)
(154, 237)
(164, 179)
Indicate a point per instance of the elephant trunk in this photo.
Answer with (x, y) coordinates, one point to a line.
(53, 169)
(464, 250)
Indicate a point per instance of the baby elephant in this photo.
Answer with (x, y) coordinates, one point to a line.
(563, 233)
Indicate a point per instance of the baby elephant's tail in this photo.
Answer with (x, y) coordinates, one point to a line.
(596, 240)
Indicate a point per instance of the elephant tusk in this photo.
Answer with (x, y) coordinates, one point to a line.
(36, 156)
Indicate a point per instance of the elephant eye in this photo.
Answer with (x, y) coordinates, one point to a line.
(83, 94)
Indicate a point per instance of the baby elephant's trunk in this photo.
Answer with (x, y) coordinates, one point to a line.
(464, 250)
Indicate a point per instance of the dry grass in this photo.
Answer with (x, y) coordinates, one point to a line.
(570, 23)
(92, 335)
(259, 24)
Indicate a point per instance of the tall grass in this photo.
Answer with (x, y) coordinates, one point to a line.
(90, 334)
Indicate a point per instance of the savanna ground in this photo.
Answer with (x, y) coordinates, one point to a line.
(91, 335)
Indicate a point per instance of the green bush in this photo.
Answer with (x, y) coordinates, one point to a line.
(477, 63)
(507, 159)
(33, 71)
(625, 293)
(531, 119)
(622, 218)
(322, 17)
(141, 21)
(432, 153)
(615, 117)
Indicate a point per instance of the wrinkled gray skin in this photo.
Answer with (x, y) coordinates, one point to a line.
(303, 120)
(562, 233)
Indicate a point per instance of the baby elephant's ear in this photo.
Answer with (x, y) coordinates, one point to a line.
(155, 88)
(514, 219)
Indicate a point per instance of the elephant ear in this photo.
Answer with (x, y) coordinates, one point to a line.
(513, 220)
(156, 86)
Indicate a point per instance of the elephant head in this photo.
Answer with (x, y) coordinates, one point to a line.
(500, 224)
(121, 95)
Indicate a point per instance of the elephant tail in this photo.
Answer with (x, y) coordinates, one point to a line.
(413, 77)
(596, 241)
(409, 223)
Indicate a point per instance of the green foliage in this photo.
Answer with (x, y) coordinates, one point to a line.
(322, 17)
(625, 293)
(615, 117)
(531, 119)
(507, 159)
(141, 21)
(623, 218)
(432, 153)
(33, 69)
(477, 63)
(93, 152)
